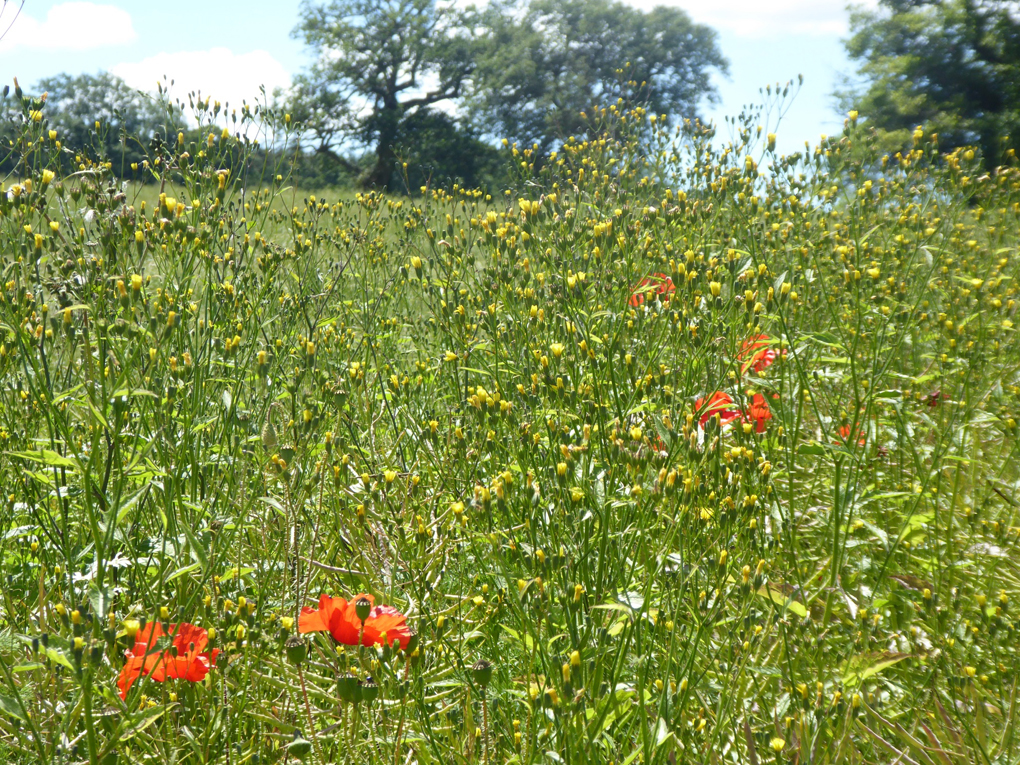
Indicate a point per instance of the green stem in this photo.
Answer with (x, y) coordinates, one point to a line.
(308, 713)
(90, 727)
(834, 563)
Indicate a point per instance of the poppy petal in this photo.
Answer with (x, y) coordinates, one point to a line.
(145, 640)
(189, 639)
(718, 403)
(758, 412)
(388, 621)
(129, 673)
(757, 353)
(319, 619)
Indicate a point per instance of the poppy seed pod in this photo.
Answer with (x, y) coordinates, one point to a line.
(296, 648)
(369, 689)
(362, 608)
(300, 747)
(481, 672)
(346, 688)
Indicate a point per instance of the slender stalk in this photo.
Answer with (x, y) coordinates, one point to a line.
(311, 721)
(90, 726)
(485, 728)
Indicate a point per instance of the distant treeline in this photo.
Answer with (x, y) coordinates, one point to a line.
(402, 93)
(100, 115)
(408, 92)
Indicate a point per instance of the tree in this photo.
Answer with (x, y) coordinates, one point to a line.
(377, 62)
(952, 66)
(437, 151)
(75, 104)
(542, 65)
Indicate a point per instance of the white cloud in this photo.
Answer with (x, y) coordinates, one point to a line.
(217, 72)
(757, 18)
(68, 26)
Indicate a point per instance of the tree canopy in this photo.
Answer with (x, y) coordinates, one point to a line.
(541, 68)
(76, 103)
(952, 66)
(377, 62)
(518, 70)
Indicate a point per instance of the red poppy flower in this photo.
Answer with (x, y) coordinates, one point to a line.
(757, 354)
(844, 436)
(339, 618)
(758, 413)
(186, 659)
(660, 284)
(718, 403)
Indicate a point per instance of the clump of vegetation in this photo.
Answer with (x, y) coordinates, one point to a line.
(950, 65)
(674, 452)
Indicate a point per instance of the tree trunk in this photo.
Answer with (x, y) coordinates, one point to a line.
(381, 173)
(385, 152)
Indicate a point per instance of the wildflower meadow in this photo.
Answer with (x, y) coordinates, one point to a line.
(676, 450)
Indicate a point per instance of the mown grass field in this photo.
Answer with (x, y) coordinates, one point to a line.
(675, 452)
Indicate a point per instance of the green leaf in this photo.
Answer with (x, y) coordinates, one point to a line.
(914, 523)
(623, 609)
(231, 572)
(889, 395)
(28, 667)
(58, 657)
(859, 668)
(617, 628)
(182, 571)
(633, 600)
(135, 392)
(99, 600)
(275, 504)
(8, 643)
(45, 457)
(525, 640)
(126, 506)
(198, 551)
(662, 733)
(11, 707)
(616, 703)
(136, 723)
(776, 595)
(814, 449)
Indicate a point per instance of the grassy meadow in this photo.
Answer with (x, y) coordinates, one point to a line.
(678, 451)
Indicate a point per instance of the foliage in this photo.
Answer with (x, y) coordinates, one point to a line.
(544, 64)
(951, 66)
(377, 62)
(524, 72)
(439, 153)
(77, 104)
(664, 458)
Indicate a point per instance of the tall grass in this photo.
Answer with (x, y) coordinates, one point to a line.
(221, 400)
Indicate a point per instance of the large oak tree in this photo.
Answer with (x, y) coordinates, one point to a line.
(377, 62)
(519, 70)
